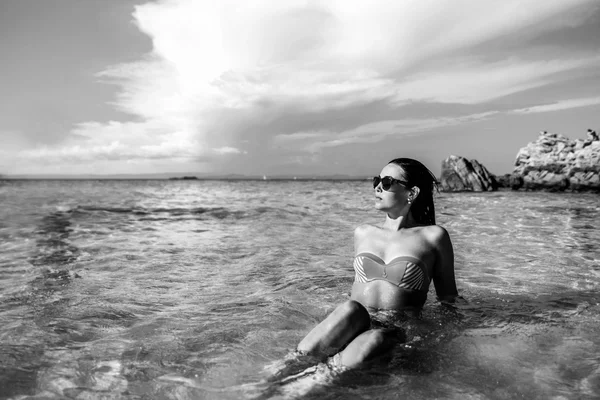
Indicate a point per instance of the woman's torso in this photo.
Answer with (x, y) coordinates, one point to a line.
(393, 270)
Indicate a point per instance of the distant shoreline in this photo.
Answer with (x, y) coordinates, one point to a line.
(182, 179)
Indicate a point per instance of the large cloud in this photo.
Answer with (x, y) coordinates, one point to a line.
(247, 77)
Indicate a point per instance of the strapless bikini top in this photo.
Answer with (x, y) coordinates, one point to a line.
(405, 271)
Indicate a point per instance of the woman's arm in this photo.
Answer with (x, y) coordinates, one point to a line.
(443, 269)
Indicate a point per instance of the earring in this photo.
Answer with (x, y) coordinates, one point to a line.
(409, 200)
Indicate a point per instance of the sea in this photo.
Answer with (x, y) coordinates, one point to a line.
(197, 289)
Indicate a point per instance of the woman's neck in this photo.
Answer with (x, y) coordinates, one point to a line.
(400, 222)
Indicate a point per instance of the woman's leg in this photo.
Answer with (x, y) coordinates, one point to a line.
(344, 324)
(369, 345)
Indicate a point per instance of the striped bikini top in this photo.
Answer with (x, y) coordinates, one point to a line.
(405, 271)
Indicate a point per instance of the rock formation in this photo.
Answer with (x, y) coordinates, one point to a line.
(514, 182)
(554, 162)
(460, 174)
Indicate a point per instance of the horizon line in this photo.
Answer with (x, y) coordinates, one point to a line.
(191, 177)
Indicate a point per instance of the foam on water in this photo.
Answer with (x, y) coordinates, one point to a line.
(189, 289)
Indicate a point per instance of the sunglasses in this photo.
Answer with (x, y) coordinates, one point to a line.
(386, 182)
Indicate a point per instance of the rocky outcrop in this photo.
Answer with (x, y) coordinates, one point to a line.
(509, 181)
(460, 174)
(556, 163)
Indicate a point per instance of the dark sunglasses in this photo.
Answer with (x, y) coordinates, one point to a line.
(387, 182)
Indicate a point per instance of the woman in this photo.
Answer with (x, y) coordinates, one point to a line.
(394, 264)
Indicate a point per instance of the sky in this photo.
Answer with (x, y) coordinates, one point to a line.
(289, 87)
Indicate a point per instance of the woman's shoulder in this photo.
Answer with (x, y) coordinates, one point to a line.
(364, 229)
(435, 234)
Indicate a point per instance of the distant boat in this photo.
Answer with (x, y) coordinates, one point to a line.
(264, 177)
(184, 178)
(295, 178)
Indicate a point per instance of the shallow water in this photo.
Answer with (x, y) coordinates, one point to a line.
(189, 289)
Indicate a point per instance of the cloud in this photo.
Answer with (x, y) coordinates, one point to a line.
(372, 132)
(144, 141)
(560, 105)
(224, 75)
(228, 150)
(471, 82)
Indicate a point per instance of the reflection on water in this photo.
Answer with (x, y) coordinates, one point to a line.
(170, 289)
(53, 247)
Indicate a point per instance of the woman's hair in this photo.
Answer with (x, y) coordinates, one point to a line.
(416, 174)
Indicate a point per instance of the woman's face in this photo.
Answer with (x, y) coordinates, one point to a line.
(395, 199)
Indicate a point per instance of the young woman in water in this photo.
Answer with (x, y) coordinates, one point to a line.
(394, 264)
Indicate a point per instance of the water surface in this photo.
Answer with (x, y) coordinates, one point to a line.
(188, 289)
